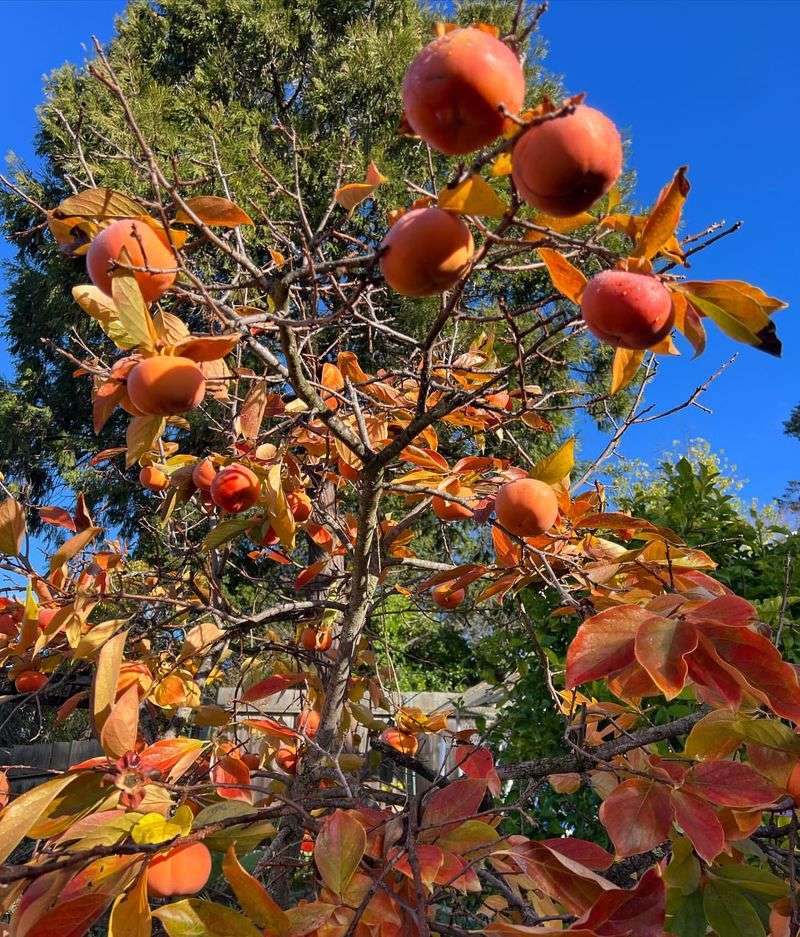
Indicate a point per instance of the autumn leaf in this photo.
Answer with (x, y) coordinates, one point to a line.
(637, 815)
(130, 914)
(24, 812)
(102, 204)
(12, 527)
(350, 196)
(559, 225)
(663, 220)
(214, 211)
(741, 311)
(141, 437)
(195, 917)
(121, 726)
(207, 347)
(624, 367)
(254, 898)
(339, 849)
(73, 547)
(568, 280)
(473, 196)
(132, 312)
(554, 468)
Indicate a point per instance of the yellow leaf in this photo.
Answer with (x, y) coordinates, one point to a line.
(153, 828)
(663, 220)
(688, 323)
(132, 312)
(280, 517)
(24, 812)
(169, 328)
(72, 547)
(254, 899)
(106, 677)
(568, 280)
(738, 313)
(130, 913)
(143, 432)
(354, 193)
(502, 165)
(215, 211)
(626, 364)
(104, 204)
(12, 527)
(559, 225)
(473, 196)
(554, 468)
(98, 304)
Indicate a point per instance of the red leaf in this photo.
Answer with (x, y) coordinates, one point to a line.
(307, 575)
(725, 610)
(58, 517)
(604, 643)
(730, 784)
(448, 806)
(171, 757)
(619, 913)
(718, 684)
(661, 647)
(699, 822)
(228, 770)
(277, 683)
(589, 854)
(477, 762)
(637, 815)
(271, 727)
(430, 859)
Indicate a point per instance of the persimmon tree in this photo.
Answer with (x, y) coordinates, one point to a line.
(677, 708)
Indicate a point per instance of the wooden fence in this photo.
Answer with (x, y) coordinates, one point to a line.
(29, 765)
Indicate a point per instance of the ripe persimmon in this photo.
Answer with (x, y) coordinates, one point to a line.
(235, 489)
(627, 310)
(182, 870)
(446, 599)
(307, 722)
(564, 165)
(316, 640)
(526, 507)
(153, 478)
(454, 88)
(166, 386)
(300, 505)
(145, 248)
(426, 251)
(203, 474)
(29, 681)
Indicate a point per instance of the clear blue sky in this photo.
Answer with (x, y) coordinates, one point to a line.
(715, 85)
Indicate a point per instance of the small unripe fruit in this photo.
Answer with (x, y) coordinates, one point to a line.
(286, 759)
(447, 510)
(446, 599)
(235, 489)
(166, 386)
(29, 681)
(203, 474)
(403, 742)
(133, 236)
(153, 479)
(453, 89)
(564, 165)
(300, 505)
(627, 310)
(307, 722)
(427, 251)
(526, 507)
(313, 640)
(183, 870)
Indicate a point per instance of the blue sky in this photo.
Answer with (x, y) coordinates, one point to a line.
(711, 84)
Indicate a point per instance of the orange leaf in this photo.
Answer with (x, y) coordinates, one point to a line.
(215, 211)
(624, 367)
(568, 280)
(207, 347)
(663, 220)
(473, 196)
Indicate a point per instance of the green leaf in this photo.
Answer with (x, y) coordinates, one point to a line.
(729, 912)
(194, 917)
(767, 732)
(225, 531)
(753, 879)
(687, 916)
(683, 871)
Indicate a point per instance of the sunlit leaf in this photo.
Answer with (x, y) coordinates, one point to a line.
(624, 367)
(339, 849)
(215, 211)
(12, 527)
(567, 279)
(663, 220)
(556, 467)
(473, 196)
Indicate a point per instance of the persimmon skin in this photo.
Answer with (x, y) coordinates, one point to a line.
(450, 510)
(403, 742)
(313, 640)
(526, 507)
(564, 165)
(300, 505)
(453, 89)
(183, 870)
(426, 251)
(153, 479)
(29, 681)
(157, 255)
(286, 759)
(447, 600)
(203, 474)
(307, 722)
(166, 385)
(235, 489)
(627, 310)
